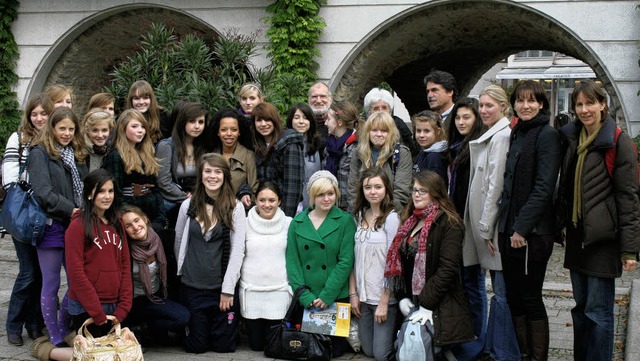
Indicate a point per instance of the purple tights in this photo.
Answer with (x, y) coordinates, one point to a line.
(51, 261)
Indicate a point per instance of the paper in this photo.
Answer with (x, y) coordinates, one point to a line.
(333, 320)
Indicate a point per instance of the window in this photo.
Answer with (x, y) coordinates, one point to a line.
(535, 54)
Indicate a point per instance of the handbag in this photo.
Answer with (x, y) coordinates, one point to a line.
(286, 341)
(120, 344)
(21, 215)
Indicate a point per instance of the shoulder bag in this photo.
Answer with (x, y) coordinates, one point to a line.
(120, 344)
(21, 215)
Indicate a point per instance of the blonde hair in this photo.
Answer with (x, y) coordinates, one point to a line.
(499, 95)
(143, 153)
(383, 121)
(320, 186)
(100, 100)
(57, 92)
(94, 117)
(249, 88)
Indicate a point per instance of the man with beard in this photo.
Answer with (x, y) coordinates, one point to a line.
(320, 100)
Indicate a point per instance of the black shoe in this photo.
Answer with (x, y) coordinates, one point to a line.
(34, 334)
(15, 339)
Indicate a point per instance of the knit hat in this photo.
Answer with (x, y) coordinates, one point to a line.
(321, 174)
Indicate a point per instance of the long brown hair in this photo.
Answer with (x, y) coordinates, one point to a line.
(434, 184)
(224, 203)
(28, 130)
(266, 111)
(48, 140)
(184, 113)
(362, 204)
(143, 153)
(141, 88)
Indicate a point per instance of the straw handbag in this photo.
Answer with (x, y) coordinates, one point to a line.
(119, 345)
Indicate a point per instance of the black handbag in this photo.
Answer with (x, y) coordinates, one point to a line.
(286, 341)
(21, 216)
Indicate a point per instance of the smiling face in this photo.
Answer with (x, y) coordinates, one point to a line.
(300, 122)
(264, 127)
(103, 197)
(38, 117)
(527, 107)
(229, 132)
(195, 127)
(248, 102)
(420, 201)
(99, 134)
(141, 102)
(64, 102)
(374, 190)
(135, 225)
(267, 202)
(464, 120)
(212, 178)
(490, 110)
(588, 111)
(135, 131)
(426, 135)
(64, 131)
(320, 99)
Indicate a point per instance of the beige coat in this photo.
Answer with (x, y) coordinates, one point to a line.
(488, 159)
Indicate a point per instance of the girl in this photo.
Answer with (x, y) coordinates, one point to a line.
(378, 146)
(264, 297)
(232, 139)
(104, 101)
(209, 246)
(301, 120)
(526, 219)
(56, 167)
(341, 121)
(431, 138)
(142, 98)
(279, 155)
(97, 126)
(249, 96)
(369, 294)
(133, 164)
(98, 258)
(149, 273)
(320, 249)
(24, 310)
(60, 95)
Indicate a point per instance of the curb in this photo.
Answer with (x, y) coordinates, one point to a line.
(633, 327)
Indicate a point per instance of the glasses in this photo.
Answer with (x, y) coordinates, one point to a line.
(420, 192)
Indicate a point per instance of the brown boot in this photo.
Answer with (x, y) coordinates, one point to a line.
(522, 334)
(539, 332)
(41, 348)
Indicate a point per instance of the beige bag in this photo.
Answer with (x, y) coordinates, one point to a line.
(119, 345)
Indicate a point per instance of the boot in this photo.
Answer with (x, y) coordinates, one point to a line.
(41, 348)
(522, 334)
(539, 332)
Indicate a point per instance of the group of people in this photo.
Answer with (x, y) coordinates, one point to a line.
(182, 225)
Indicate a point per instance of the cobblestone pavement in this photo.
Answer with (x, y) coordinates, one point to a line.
(557, 291)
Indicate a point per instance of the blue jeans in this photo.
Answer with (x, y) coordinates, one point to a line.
(24, 303)
(377, 338)
(169, 315)
(474, 288)
(501, 340)
(592, 317)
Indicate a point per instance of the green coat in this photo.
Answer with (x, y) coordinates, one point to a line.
(321, 259)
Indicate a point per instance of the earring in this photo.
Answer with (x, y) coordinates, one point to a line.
(89, 198)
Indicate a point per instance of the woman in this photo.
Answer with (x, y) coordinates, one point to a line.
(279, 155)
(97, 254)
(24, 310)
(301, 120)
(60, 95)
(432, 140)
(602, 217)
(379, 146)
(371, 299)
(249, 96)
(320, 249)
(488, 156)
(104, 101)
(209, 246)
(149, 272)
(133, 164)
(96, 127)
(424, 262)
(56, 167)
(526, 219)
(142, 98)
(178, 155)
(341, 120)
(264, 297)
(232, 139)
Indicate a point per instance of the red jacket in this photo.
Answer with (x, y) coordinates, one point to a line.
(99, 272)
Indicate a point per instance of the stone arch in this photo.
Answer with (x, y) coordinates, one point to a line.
(463, 37)
(85, 55)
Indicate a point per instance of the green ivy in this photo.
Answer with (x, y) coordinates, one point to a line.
(9, 106)
(295, 28)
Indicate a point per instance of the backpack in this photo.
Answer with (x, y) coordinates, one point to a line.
(415, 342)
(610, 154)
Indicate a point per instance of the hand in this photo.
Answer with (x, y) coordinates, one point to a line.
(492, 249)
(422, 315)
(405, 306)
(517, 241)
(246, 200)
(318, 303)
(381, 313)
(188, 195)
(226, 302)
(355, 305)
(629, 265)
(75, 211)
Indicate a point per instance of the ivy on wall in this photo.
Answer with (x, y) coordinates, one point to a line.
(9, 106)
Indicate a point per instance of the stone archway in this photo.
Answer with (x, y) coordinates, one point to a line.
(463, 37)
(86, 55)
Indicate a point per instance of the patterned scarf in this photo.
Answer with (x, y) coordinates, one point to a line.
(69, 162)
(141, 251)
(583, 147)
(393, 266)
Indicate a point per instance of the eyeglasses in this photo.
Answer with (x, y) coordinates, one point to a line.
(420, 192)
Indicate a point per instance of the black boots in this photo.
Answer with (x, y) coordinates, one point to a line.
(533, 338)
(522, 334)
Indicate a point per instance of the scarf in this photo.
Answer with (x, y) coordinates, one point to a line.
(69, 163)
(334, 150)
(393, 267)
(437, 147)
(583, 146)
(141, 251)
(101, 150)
